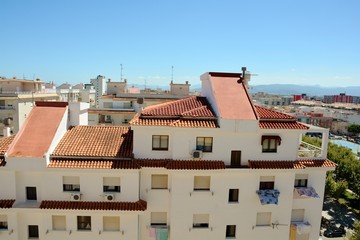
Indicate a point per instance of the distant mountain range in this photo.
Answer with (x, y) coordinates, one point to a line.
(282, 89)
(315, 90)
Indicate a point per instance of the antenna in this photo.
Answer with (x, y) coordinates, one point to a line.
(121, 68)
(172, 73)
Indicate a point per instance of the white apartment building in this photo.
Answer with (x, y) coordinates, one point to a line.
(17, 98)
(99, 84)
(202, 167)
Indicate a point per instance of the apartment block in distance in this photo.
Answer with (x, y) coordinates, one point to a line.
(213, 166)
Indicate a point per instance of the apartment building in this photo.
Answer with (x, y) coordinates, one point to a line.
(17, 98)
(213, 166)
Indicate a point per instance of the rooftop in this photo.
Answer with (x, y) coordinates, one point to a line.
(96, 141)
(38, 131)
(298, 164)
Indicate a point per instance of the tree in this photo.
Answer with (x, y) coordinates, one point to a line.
(354, 128)
(356, 233)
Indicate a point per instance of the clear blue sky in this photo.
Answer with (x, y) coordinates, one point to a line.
(302, 42)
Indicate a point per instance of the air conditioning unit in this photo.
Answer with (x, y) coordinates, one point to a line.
(109, 197)
(75, 196)
(197, 154)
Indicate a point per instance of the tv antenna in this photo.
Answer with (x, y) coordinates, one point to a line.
(172, 73)
(121, 68)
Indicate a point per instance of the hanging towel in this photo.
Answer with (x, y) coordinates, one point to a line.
(151, 232)
(161, 234)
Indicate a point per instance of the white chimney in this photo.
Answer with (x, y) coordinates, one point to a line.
(6, 131)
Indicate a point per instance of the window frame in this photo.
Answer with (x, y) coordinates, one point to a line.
(86, 220)
(33, 231)
(163, 216)
(230, 231)
(203, 224)
(69, 186)
(207, 181)
(270, 143)
(263, 215)
(201, 144)
(31, 193)
(56, 219)
(114, 188)
(159, 176)
(233, 193)
(111, 228)
(160, 147)
(301, 183)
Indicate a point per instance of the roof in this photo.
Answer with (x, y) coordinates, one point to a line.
(5, 143)
(137, 164)
(93, 164)
(38, 131)
(113, 111)
(232, 99)
(6, 203)
(265, 113)
(270, 119)
(140, 205)
(288, 164)
(96, 141)
(192, 112)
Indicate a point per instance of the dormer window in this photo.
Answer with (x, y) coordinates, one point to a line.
(269, 143)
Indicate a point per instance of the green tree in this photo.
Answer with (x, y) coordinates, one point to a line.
(356, 233)
(354, 128)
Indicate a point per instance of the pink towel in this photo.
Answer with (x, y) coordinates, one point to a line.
(152, 232)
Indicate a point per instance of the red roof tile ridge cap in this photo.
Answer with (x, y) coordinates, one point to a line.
(250, 101)
(168, 103)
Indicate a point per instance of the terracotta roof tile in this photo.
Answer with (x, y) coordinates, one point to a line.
(152, 163)
(6, 203)
(5, 143)
(96, 141)
(191, 112)
(194, 106)
(287, 164)
(265, 113)
(282, 125)
(140, 205)
(92, 164)
(195, 165)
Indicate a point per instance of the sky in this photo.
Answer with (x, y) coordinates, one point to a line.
(281, 42)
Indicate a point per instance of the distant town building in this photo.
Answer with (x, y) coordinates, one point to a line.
(99, 84)
(341, 98)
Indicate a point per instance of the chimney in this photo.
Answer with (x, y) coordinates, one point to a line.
(6, 131)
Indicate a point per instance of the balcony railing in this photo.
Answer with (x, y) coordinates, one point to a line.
(307, 150)
(7, 108)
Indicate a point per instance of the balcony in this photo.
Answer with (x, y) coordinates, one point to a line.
(7, 108)
(307, 150)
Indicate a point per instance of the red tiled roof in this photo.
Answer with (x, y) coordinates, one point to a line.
(191, 112)
(140, 205)
(194, 106)
(92, 164)
(136, 164)
(232, 99)
(195, 165)
(286, 164)
(5, 143)
(265, 113)
(282, 125)
(174, 122)
(38, 131)
(6, 203)
(96, 141)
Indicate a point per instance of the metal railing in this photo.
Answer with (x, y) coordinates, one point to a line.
(308, 150)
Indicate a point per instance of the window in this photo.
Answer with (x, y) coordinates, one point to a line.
(71, 183)
(204, 144)
(297, 215)
(158, 219)
(270, 143)
(31, 193)
(111, 184)
(160, 142)
(202, 183)
(230, 231)
(200, 220)
(3, 222)
(267, 182)
(111, 223)
(301, 180)
(33, 231)
(233, 195)
(59, 223)
(159, 181)
(84, 223)
(263, 219)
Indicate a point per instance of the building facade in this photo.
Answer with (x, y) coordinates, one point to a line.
(213, 166)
